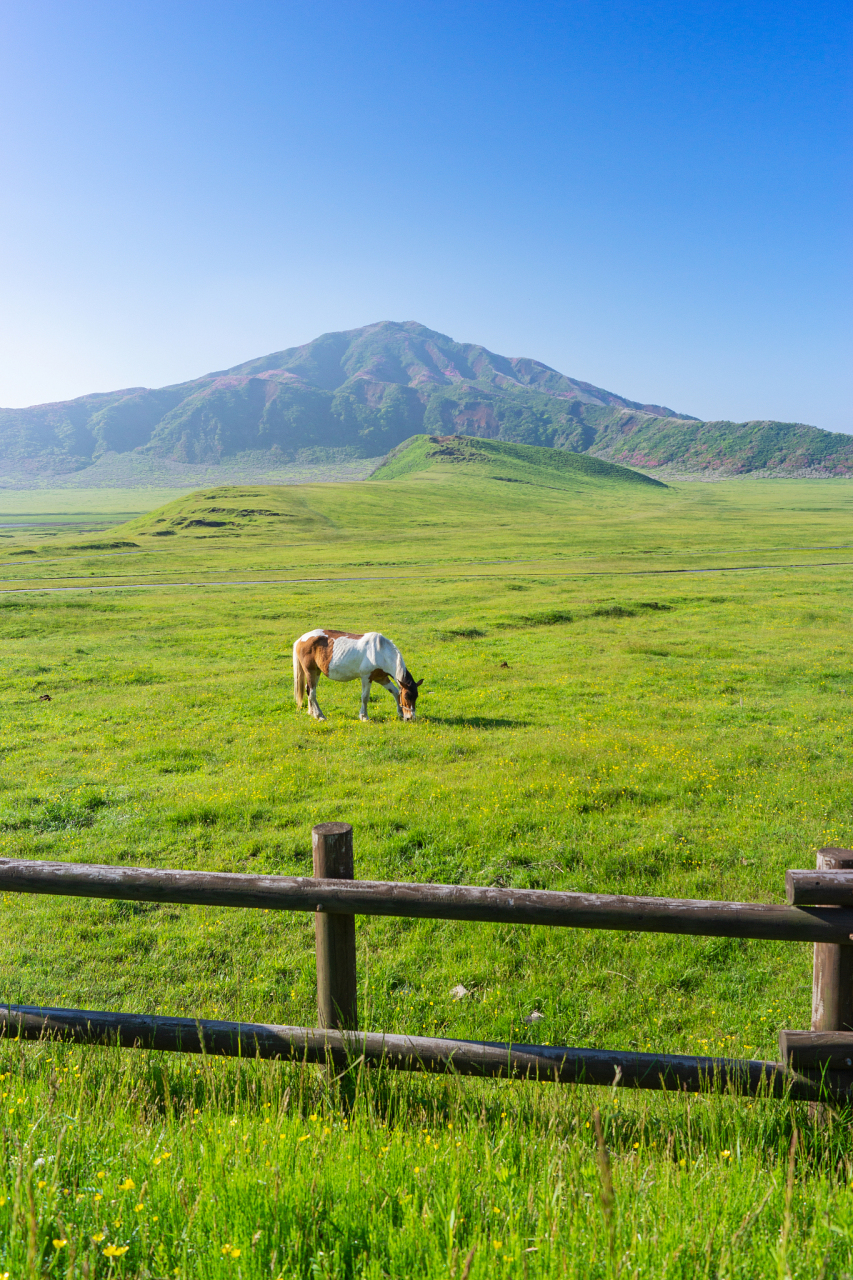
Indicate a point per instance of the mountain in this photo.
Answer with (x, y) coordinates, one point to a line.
(364, 391)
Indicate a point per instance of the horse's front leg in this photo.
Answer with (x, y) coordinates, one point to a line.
(365, 697)
(392, 689)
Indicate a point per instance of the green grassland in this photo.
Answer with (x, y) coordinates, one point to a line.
(672, 719)
(82, 504)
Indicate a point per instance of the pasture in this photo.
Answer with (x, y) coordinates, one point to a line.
(673, 718)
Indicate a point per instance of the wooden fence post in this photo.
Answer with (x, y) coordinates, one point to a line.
(337, 992)
(832, 982)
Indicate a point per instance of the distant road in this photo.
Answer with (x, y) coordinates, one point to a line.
(454, 577)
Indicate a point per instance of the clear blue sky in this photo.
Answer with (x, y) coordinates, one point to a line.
(654, 197)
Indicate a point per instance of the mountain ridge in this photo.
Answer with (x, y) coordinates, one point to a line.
(365, 391)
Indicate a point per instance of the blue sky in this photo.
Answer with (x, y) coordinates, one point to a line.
(652, 197)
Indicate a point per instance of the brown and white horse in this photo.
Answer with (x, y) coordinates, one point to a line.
(341, 655)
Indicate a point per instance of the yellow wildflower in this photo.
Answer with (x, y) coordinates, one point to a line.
(116, 1250)
(127, 1185)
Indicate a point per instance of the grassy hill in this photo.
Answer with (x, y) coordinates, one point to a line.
(360, 393)
(427, 482)
(514, 463)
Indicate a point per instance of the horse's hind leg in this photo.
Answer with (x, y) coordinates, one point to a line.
(313, 705)
(365, 697)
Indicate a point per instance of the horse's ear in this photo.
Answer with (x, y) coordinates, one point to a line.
(418, 684)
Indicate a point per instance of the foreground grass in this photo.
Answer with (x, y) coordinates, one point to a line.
(129, 1164)
(683, 735)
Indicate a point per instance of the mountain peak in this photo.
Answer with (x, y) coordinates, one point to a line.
(408, 354)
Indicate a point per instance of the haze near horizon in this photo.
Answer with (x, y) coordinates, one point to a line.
(647, 198)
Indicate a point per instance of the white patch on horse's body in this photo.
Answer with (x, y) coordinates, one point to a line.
(341, 655)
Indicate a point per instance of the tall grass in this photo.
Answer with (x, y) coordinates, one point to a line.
(135, 1164)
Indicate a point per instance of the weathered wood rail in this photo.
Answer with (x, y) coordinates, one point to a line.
(817, 1064)
(827, 924)
(340, 1049)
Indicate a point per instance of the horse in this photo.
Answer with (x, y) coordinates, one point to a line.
(343, 655)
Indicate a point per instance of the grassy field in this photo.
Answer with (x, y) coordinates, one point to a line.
(672, 719)
(133, 474)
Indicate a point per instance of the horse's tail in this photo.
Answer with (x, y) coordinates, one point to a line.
(298, 678)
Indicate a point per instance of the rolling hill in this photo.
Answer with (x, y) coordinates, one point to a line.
(362, 392)
(418, 482)
(509, 462)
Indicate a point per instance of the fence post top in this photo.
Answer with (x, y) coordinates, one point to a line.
(331, 828)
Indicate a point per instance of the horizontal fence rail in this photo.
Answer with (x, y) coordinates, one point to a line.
(433, 901)
(829, 888)
(344, 1049)
(818, 1065)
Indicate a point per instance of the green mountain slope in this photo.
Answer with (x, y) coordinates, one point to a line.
(730, 447)
(367, 390)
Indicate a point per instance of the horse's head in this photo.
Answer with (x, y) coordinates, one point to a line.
(409, 695)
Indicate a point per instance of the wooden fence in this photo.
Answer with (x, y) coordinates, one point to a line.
(816, 1064)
